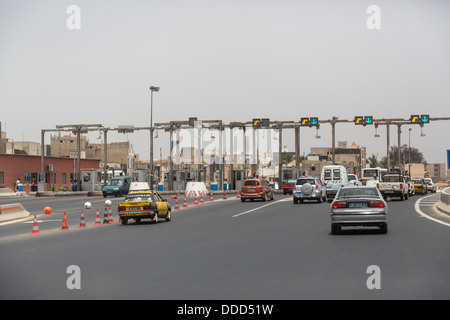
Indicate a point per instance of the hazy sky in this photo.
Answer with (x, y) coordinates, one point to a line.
(228, 60)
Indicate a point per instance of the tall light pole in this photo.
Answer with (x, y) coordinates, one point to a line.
(152, 89)
(409, 154)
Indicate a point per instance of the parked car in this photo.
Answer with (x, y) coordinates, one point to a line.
(431, 186)
(309, 188)
(288, 187)
(419, 185)
(358, 206)
(117, 186)
(256, 189)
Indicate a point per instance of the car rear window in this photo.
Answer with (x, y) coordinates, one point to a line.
(303, 181)
(358, 192)
(336, 174)
(140, 197)
(251, 183)
(327, 174)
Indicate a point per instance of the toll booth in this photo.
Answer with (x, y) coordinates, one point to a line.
(91, 180)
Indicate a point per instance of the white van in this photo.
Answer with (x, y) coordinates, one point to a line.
(334, 177)
(139, 186)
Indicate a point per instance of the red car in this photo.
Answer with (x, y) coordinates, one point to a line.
(256, 189)
(288, 187)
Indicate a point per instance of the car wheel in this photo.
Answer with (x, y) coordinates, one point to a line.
(295, 201)
(265, 197)
(155, 219)
(335, 229)
(319, 200)
(124, 221)
(242, 199)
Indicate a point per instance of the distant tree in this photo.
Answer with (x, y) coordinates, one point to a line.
(373, 161)
(416, 156)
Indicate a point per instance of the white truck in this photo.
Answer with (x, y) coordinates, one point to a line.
(394, 185)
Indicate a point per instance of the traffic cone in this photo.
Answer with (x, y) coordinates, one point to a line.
(185, 203)
(105, 217)
(201, 199)
(65, 226)
(211, 197)
(35, 226)
(238, 196)
(97, 219)
(110, 216)
(177, 206)
(224, 195)
(82, 221)
(196, 202)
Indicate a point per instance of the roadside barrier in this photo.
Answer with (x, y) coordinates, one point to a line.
(12, 211)
(444, 202)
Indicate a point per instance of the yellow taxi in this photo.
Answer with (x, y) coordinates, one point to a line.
(419, 186)
(144, 205)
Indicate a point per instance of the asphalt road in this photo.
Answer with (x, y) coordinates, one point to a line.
(224, 250)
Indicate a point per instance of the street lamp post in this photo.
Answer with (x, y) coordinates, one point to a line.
(152, 89)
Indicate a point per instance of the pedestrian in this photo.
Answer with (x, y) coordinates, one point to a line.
(17, 185)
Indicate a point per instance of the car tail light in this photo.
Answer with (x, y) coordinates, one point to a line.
(338, 205)
(121, 208)
(401, 186)
(378, 186)
(146, 208)
(376, 204)
(317, 186)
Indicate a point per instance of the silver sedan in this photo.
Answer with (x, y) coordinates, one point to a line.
(358, 206)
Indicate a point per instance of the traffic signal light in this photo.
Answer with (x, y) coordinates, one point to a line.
(304, 122)
(256, 123)
(359, 120)
(265, 122)
(415, 118)
(425, 118)
(368, 120)
(314, 121)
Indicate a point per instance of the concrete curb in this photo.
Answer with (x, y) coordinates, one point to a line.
(444, 202)
(12, 211)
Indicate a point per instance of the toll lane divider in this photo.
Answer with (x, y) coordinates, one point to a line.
(12, 211)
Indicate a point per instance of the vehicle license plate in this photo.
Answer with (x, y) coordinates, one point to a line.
(134, 208)
(357, 205)
(298, 193)
(251, 189)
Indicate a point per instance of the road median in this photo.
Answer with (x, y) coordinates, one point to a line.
(444, 201)
(12, 211)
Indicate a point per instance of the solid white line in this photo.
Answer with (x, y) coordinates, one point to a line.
(266, 205)
(417, 207)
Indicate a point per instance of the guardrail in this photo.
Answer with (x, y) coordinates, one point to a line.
(12, 211)
(444, 202)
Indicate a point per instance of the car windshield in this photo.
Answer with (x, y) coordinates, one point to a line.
(303, 181)
(357, 192)
(251, 183)
(140, 197)
(115, 182)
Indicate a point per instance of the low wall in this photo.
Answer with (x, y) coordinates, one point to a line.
(444, 202)
(12, 211)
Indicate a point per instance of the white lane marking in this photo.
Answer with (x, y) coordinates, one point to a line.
(417, 207)
(254, 209)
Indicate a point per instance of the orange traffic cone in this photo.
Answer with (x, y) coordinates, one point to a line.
(185, 203)
(110, 217)
(35, 226)
(82, 221)
(238, 196)
(211, 198)
(201, 199)
(177, 205)
(196, 202)
(97, 219)
(65, 226)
